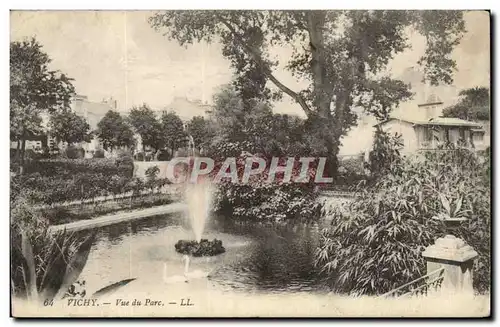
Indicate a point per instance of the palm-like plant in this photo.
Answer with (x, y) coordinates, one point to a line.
(374, 244)
(50, 267)
(45, 265)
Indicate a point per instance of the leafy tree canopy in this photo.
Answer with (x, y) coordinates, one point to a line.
(172, 129)
(144, 121)
(34, 88)
(114, 131)
(256, 129)
(200, 130)
(474, 104)
(343, 55)
(67, 126)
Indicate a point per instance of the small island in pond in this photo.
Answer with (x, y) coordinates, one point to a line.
(204, 248)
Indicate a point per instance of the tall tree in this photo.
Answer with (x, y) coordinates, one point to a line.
(238, 127)
(231, 113)
(173, 130)
(145, 123)
(114, 131)
(238, 123)
(474, 104)
(68, 127)
(342, 54)
(34, 90)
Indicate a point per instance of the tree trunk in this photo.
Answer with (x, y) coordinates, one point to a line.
(332, 147)
(322, 88)
(18, 150)
(23, 149)
(343, 103)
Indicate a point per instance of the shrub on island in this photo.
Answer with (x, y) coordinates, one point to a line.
(204, 248)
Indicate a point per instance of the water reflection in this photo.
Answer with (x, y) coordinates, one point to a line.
(257, 258)
(280, 259)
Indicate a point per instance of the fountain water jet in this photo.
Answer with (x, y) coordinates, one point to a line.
(199, 200)
(198, 197)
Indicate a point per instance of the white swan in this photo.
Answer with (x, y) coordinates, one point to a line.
(172, 279)
(187, 274)
(192, 274)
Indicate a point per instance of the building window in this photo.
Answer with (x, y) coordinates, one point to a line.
(462, 134)
(477, 137)
(453, 135)
(428, 134)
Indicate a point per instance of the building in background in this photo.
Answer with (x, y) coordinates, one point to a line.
(185, 108)
(419, 120)
(426, 129)
(93, 112)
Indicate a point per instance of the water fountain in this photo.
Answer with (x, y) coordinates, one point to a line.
(198, 197)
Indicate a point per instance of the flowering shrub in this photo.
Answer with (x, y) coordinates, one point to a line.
(268, 203)
(376, 243)
(262, 201)
(353, 165)
(125, 162)
(152, 172)
(51, 181)
(152, 180)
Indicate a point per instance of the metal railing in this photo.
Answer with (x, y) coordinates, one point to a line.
(168, 190)
(342, 194)
(419, 286)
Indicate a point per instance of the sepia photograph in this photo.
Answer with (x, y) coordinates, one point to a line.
(250, 163)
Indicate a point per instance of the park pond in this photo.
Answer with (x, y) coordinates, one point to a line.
(258, 258)
(265, 271)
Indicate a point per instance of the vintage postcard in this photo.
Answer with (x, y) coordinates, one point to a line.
(250, 163)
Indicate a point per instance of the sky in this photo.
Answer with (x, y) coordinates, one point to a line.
(117, 54)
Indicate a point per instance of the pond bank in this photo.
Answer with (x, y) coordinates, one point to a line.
(69, 214)
(115, 216)
(119, 217)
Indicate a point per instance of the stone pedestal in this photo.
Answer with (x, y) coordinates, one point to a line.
(457, 259)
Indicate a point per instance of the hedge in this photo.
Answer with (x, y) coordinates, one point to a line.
(68, 167)
(53, 181)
